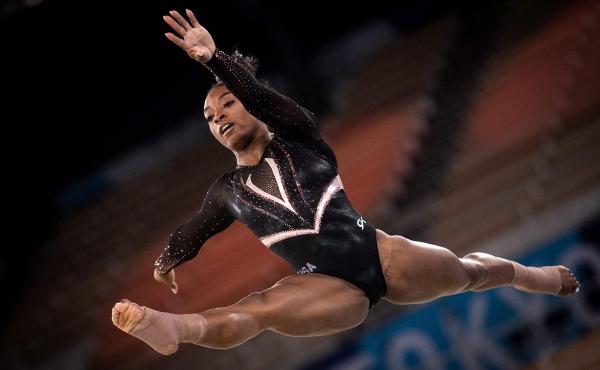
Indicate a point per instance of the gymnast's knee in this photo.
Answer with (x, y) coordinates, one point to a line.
(476, 256)
(232, 329)
(476, 270)
(231, 326)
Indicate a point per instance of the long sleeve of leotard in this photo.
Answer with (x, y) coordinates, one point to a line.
(186, 240)
(281, 113)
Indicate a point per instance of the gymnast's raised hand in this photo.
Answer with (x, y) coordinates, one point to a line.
(194, 39)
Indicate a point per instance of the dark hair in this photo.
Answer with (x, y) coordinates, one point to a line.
(247, 61)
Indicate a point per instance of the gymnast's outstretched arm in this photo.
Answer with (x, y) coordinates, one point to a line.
(187, 239)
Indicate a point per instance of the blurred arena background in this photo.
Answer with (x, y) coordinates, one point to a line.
(472, 126)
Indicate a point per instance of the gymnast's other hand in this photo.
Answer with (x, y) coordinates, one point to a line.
(168, 279)
(195, 41)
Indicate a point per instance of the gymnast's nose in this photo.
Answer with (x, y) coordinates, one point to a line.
(219, 117)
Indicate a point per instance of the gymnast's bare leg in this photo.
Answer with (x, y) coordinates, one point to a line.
(417, 272)
(298, 305)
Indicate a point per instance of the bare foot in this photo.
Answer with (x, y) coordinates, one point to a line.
(570, 285)
(126, 314)
(153, 327)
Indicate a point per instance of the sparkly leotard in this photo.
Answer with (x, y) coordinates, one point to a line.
(293, 199)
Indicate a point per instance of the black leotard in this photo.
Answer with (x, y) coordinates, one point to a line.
(293, 199)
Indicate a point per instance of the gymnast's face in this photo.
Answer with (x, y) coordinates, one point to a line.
(229, 122)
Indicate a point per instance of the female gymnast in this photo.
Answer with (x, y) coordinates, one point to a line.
(286, 189)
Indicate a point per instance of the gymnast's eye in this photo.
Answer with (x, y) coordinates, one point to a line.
(209, 118)
(229, 103)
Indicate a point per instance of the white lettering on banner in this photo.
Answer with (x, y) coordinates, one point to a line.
(584, 255)
(473, 343)
(412, 341)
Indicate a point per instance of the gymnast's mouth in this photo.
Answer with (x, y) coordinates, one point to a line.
(225, 127)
